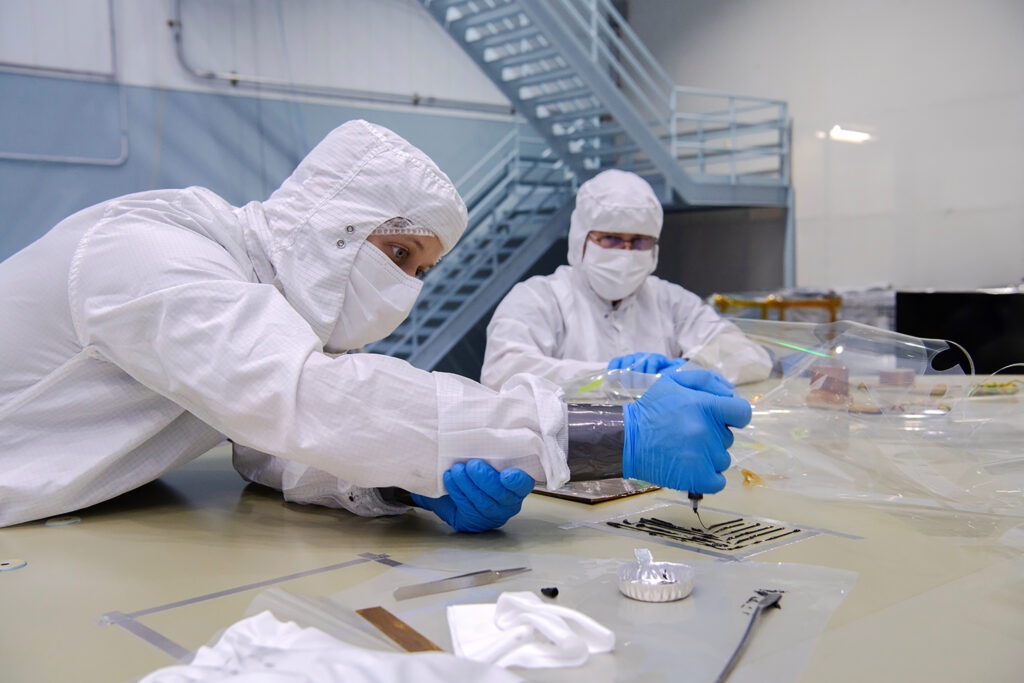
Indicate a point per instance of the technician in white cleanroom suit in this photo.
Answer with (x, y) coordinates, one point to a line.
(140, 332)
(605, 309)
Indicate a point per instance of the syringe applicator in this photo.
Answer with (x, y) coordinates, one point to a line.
(694, 499)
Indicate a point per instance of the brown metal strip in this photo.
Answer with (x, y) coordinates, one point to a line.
(397, 630)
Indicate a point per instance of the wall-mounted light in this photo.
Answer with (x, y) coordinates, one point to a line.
(843, 135)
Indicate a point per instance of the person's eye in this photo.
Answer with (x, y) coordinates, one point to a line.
(399, 253)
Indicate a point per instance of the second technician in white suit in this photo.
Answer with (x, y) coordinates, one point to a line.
(605, 309)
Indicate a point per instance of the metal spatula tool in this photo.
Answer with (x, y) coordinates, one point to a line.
(480, 578)
(766, 599)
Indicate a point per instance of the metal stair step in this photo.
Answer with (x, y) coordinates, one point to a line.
(524, 57)
(448, 4)
(569, 116)
(610, 151)
(592, 132)
(497, 28)
(561, 96)
(481, 17)
(537, 161)
(504, 37)
(527, 182)
(542, 77)
(469, 7)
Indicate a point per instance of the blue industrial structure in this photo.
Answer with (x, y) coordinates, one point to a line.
(597, 99)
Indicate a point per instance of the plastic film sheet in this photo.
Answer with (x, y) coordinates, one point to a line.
(598, 490)
(864, 414)
(610, 387)
(654, 641)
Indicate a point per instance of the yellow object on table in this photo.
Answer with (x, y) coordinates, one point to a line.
(779, 304)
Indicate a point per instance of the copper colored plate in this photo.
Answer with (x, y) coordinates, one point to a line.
(397, 630)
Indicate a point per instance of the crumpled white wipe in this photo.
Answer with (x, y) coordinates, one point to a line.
(522, 630)
(261, 649)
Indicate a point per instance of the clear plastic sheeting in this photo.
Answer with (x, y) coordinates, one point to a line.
(864, 414)
(612, 387)
(598, 490)
(692, 638)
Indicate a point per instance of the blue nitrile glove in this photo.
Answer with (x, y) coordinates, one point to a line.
(677, 437)
(479, 497)
(651, 363)
(704, 380)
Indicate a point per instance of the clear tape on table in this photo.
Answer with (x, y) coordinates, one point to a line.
(319, 612)
(654, 641)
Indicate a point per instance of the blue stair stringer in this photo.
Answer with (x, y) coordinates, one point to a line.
(519, 198)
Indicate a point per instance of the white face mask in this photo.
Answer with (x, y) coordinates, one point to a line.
(378, 298)
(616, 273)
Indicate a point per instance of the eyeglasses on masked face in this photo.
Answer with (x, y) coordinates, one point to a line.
(618, 241)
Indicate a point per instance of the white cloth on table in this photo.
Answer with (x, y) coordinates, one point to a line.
(261, 649)
(522, 630)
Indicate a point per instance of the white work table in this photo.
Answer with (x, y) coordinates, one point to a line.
(182, 558)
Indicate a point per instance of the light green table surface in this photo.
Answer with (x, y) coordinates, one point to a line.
(922, 609)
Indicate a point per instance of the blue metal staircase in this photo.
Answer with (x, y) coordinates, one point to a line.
(597, 99)
(580, 75)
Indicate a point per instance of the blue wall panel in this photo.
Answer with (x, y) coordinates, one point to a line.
(241, 147)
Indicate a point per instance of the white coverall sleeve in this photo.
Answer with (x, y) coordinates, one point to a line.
(715, 343)
(522, 337)
(173, 310)
(309, 486)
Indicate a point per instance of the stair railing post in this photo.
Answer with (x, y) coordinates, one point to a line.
(592, 4)
(672, 123)
(413, 327)
(789, 241)
(517, 161)
(732, 139)
(787, 141)
(673, 127)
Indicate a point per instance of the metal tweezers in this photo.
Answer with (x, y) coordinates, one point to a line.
(766, 599)
(479, 578)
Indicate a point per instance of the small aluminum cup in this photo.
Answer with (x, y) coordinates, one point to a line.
(674, 582)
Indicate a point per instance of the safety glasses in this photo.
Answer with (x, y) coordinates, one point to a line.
(636, 242)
